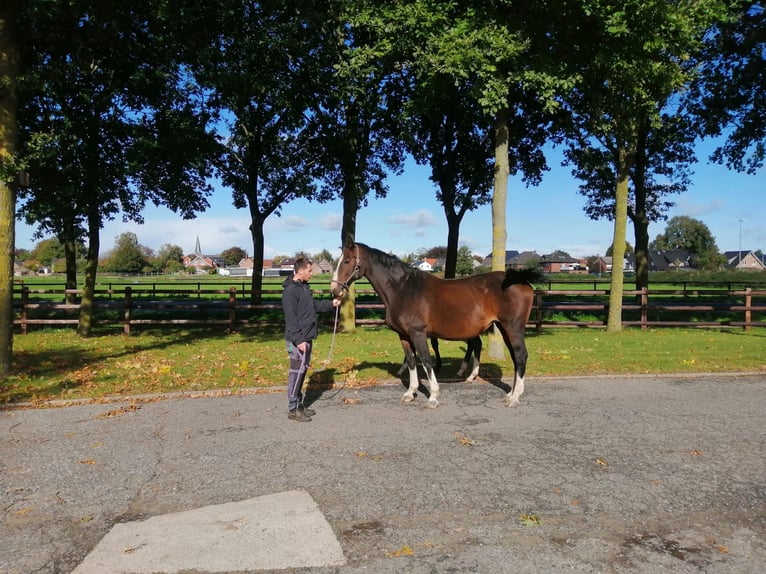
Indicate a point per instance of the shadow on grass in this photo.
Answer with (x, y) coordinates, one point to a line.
(61, 364)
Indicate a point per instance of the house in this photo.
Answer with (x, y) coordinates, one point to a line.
(426, 264)
(743, 260)
(523, 260)
(604, 265)
(202, 263)
(562, 264)
(509, 254)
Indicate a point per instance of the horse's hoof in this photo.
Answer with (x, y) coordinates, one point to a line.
(432, 403)
(407, 399)
(511, 403)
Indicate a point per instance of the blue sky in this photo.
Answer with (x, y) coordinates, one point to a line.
(543, 218)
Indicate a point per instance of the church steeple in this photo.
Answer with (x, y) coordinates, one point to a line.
(197, 248)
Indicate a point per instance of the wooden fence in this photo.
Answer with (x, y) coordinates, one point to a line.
(745, 308)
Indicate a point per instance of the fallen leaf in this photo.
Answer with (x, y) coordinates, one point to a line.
(529, 519)
(361, 454)
(601, 462)
(88, 461)
(696, 452)
(348, 401)
(403, 551)
(23, 511)
(464, 440)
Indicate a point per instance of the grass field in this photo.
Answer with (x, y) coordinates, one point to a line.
(56, 364)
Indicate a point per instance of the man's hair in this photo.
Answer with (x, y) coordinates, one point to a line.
(302, 263)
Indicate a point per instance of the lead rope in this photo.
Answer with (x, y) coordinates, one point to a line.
(326, 363)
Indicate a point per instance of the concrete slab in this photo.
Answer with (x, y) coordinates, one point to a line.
(283, 530)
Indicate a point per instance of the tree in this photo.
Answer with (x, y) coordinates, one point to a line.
(107, 124)
(693, 236)
(465, 262)
(127, 255)
(261, 66)
(233, 255)
(631, 61)
(450, 132)
(169, 259)
(729, 93)
(9, 171)
(496, 54)
(663, 155)
(628, 249)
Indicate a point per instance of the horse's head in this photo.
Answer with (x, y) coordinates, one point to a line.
(347, 271)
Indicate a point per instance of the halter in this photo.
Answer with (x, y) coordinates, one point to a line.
(355, 273)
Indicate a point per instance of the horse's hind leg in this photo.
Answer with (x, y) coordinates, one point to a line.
(437, 356)
(473, 347)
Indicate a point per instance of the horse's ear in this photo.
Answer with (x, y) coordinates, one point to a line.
(348, 244)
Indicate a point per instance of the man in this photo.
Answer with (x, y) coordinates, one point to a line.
(300, 310)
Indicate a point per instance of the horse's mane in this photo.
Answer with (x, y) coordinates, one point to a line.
(390, 262)
(531, 276)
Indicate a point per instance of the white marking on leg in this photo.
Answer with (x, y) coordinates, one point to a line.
(463, 367)
(433, 387)
(512, 399)
(409, 396)
(474, 372)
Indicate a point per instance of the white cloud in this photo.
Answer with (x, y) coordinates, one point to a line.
(421, 218)
(331, 222)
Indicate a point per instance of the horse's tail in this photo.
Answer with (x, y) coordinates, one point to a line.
(531, 276)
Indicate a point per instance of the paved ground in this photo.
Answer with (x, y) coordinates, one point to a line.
(617, 474)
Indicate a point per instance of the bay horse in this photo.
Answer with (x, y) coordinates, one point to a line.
(420, 305)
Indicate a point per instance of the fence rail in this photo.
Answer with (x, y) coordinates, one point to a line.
(743, 308)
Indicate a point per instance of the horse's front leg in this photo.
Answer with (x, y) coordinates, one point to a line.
(411, 364)
(519, 355)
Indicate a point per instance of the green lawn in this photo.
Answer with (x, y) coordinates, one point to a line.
(56, 364)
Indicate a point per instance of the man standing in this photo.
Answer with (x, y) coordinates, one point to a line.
(300, 310)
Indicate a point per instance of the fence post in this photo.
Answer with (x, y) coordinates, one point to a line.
(232, 307)
(748, 307)
(126, 313)
(24, 303)
(539, 312)
(644, 307)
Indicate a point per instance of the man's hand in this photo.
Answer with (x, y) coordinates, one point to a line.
(337, 301)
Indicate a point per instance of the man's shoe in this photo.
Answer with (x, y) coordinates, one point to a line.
(298, 415)
(308, 411)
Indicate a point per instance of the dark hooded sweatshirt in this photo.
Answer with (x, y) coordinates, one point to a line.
(301, 310)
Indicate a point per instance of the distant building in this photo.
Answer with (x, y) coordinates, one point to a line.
(202, 263)
(746, 260)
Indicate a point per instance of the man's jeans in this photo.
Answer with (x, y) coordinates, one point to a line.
(299, 364)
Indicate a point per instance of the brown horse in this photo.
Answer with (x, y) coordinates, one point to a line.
(420, 305)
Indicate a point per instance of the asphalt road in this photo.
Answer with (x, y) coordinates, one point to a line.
(601, 474)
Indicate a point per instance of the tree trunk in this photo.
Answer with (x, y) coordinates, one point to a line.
(453, 237)
(70, 258)
(256, 232)
(9, 69)
(614, 319)
(641, 232)
(85, 325)
(499, 233)
(347, 316)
